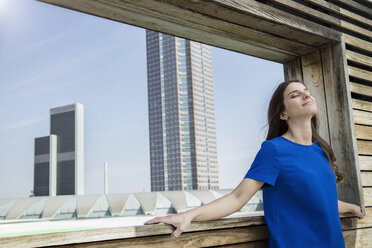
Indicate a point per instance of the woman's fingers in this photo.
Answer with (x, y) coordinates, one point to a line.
(159, 219)
(178, 231)
(358, 212)
(178, 221)
(154, 221)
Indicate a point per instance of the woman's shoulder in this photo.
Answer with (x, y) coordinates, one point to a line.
(284, 146)
(277, 145)
(273, 142)
(270, 145)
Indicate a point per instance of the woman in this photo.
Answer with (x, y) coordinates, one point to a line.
(296, 170)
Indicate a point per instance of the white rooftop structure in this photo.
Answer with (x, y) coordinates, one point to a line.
(113, 205)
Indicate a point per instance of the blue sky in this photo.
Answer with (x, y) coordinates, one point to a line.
(50, 56)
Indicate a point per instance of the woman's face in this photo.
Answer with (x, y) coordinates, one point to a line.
(298, 102)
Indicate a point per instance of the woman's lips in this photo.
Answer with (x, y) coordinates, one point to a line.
(307, 103)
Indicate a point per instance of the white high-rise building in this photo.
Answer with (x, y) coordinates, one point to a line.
(67, 123)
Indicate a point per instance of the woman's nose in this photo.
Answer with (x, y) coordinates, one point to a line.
(307, 95)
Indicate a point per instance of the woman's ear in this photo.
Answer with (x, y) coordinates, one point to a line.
(283, 116)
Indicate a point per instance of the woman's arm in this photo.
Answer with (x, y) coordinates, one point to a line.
(345, 207)
(216, 209)
(228, 204)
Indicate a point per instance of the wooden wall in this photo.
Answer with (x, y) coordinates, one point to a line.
(354, 20)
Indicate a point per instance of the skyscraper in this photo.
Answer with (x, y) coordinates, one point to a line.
(67, 123)
(59, 157)
(45, 165)
(183, 149)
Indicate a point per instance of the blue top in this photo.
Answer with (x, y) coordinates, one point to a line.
(299, 195)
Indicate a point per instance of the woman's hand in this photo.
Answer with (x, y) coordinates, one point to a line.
(357, 211)
(181, 221)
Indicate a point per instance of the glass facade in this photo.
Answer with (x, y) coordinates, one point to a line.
(183, 149)
(41, 168)
(63, 125)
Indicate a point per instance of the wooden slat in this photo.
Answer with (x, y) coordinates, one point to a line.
(146, 235)
(359, 223)
(293, 70)
(173, 243)
(361, 89)
(366, 178)
(251, 236)
(359, 43)
(354, 28)
(362, 117)
(218, 26)
(359, 238)
(367, 194)
(348, 221)
(308, 11)
(251, 14)
(355, 17)
(191, 240)
(356, 5)
(252, 244)
(360, 73)
(260, 10)
(359, 58)
(300, 8)
(363, 132)
(340, 120)
(364, 147)
(341, 11)
(166, 18)
(313, 79)
(365, 162)
(362, 105)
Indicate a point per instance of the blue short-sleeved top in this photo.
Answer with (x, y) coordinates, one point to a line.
(299, 195)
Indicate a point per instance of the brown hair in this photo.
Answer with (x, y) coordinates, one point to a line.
(277, 126)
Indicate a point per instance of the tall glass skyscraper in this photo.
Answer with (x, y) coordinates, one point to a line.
(183, 149)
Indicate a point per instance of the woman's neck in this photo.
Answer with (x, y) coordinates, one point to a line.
(299, 132)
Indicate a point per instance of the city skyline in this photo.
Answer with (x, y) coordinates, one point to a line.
(53, 56)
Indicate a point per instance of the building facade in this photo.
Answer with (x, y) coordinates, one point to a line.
(59, 157)
(67, 123)
(45, 166)
(183, 149)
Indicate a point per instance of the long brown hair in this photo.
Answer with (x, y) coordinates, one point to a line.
(277, 126)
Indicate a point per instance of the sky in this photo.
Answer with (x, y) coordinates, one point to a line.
(51, 56)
